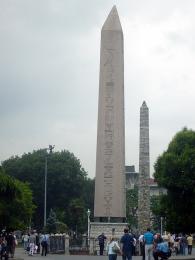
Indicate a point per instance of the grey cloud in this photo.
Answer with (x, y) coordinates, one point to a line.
(49, 71)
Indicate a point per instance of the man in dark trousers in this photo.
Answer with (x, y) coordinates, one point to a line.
(101, 239)
(44, 244)
(10, 244)
(126, 245)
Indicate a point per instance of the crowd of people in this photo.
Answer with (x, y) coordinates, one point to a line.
(33, 243)
(125, 247)
(169, 243)
(8, 244)
(113, 248)
(149, 245)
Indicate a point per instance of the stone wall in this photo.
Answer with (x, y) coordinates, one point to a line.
(109, 229)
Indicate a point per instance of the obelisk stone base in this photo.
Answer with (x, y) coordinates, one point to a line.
(109, 229)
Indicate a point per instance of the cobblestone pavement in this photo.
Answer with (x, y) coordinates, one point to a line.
(20, 255)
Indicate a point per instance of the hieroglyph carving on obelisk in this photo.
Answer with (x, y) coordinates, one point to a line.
(110, 157)
(144, 171)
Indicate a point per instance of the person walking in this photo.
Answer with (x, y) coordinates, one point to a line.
(112, 249)
(3, 250)
(44, 244)
(101, 239)
(10, 244)
(189, 242)
(126, 245)
(32, 241)
(25, 240)
(183, 244)
(148, 240)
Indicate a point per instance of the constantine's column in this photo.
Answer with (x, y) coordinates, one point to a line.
(144, 171)
(110, 202)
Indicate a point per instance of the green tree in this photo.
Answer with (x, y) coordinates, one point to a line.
(16, 206)
(156, 212)
(175, 170)
(132, 205)
(66, 181)
(54, 225)
(51, 222)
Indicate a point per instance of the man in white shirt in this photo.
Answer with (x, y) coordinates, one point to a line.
(142, 246)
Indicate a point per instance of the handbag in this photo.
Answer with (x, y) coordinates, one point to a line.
(115, 249)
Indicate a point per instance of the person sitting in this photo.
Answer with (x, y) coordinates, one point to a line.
(162, 250)
(157, 240)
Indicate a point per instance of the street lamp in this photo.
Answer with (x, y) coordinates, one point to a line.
(50, 148)
(88, 229)
(161, 225)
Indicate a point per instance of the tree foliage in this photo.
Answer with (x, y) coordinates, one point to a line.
(54, 225)
(132, 205)
(77, 214)
(16, 205)
(157, 213)
(66, 182)
(175, 170)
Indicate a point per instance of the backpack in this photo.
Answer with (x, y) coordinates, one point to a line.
(115, 249)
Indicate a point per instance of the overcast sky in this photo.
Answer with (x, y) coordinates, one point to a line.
(49, 72)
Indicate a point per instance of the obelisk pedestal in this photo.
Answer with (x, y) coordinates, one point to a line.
(144, 171)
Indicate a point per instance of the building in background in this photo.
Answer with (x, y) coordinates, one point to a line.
(132, 181)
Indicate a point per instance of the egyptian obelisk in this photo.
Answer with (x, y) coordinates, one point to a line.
(110, 202)
(144, 171)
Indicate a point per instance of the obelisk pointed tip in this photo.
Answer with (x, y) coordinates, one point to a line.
(112, 22)
(144, 104)
(114, 9)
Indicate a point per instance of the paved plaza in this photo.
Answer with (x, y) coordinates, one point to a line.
(20, 255)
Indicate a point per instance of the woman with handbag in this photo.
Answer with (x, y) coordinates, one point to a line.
(113, 249)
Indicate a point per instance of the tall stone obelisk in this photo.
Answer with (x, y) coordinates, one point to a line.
(144, 171)
(110, 202)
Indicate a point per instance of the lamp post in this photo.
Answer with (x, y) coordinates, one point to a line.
(161, 225)
(88, 227)
(50, 148)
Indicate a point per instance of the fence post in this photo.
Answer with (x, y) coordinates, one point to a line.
(91, 246)
(67, 244)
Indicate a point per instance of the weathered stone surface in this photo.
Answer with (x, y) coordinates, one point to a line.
(109, 229)
(144, 171)
(110, 199)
